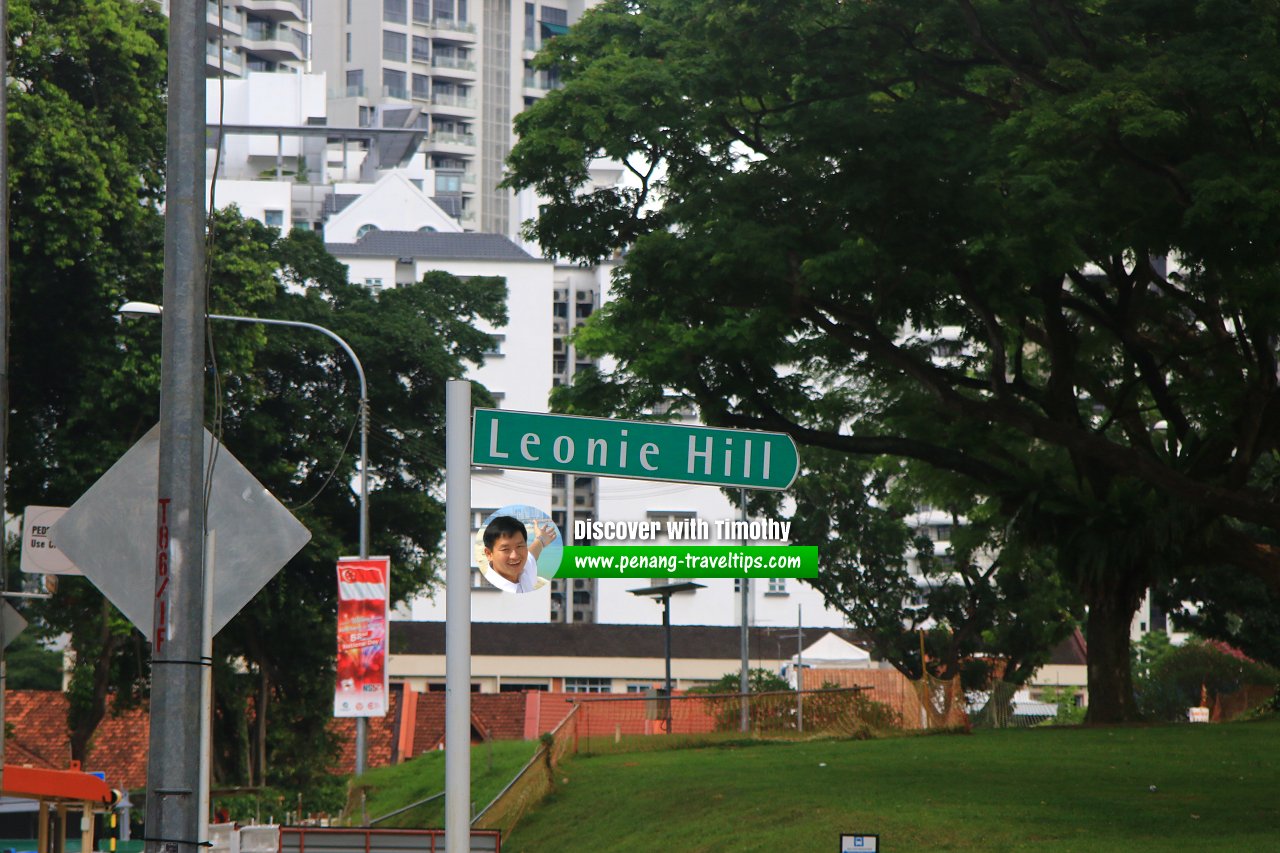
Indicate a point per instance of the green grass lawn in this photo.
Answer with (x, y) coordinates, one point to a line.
(493, 765)
(1050, 789)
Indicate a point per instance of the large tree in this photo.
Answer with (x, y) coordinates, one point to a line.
(822, 191)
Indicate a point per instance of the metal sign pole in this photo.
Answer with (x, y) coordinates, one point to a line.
(173, 765)
(457, 631)
(744, 676)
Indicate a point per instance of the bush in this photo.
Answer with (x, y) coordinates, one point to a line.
(1175, 680)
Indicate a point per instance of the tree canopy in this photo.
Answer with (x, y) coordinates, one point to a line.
(1033, 245)
(87, 117)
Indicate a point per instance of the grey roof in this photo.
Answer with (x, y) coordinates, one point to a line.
(432, 245)
(337, 202)
(540, 639)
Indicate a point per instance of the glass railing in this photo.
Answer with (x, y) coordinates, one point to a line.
(398, 92)
(348, 92)
(452, 25)
(452, 62)
(443, 138)
(302, 12)
(258, 31)
(230, 17)
(453, 101)
(230, 59)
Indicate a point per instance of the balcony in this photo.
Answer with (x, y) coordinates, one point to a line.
(450, 64)
(232, 63)
(232, 19)
(399, 93)
(441, 138)
(454, 104)
(278, 10)
(449, 28)
(348, 92)
(275, 43)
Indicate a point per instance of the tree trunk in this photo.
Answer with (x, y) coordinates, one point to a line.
(85, 720)
(262, 729)
(1112, 605)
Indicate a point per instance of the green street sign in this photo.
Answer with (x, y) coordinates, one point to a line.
(635, 449)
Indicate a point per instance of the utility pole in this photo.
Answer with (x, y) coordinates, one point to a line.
(4, 338)
(175, 778)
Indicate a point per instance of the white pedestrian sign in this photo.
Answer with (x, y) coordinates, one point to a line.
(40, 556)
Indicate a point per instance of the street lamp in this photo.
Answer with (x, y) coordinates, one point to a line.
(150, 309)
(663, 593)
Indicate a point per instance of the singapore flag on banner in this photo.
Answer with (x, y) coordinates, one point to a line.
(363, 611)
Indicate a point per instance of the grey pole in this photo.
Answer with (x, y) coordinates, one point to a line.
(744, 683)
(457, 630)
(4, 330)
(666, 644)
(174, 773)
(799, 670)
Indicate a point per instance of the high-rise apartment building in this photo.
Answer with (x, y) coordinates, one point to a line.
(459, 69)
(256, 35)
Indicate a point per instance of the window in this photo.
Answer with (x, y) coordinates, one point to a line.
(394, 11)
(639, 688)
(373, 283)
(395, 46)
(444, 9)
(348, 47)
(588, 685)
(355, 82)
(495, 346)
(349, 11)
(421, 11)
(421, 86)
(555, 22)
(393, 84)
(421, 49)
(365, 229)
(777, 586)
(530, 26)
(273, 218)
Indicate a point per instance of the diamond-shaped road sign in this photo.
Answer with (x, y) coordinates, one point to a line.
(110, 533)
(13, 622)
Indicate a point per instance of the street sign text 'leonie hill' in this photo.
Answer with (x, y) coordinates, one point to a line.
(634, 449)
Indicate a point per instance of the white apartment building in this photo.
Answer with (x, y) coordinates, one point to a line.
(458, 69)
(245, 36)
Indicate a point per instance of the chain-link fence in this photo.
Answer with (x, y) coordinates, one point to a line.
(534, 781)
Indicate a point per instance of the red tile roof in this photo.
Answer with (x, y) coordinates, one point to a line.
(40, 738)
(381, 734)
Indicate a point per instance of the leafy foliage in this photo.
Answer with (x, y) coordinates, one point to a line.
(938, 232)
(1186, 674)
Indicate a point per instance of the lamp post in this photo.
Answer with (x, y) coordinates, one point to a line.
(150, 309)
(663, 593)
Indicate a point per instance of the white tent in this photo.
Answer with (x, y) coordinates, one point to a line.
(829, 652)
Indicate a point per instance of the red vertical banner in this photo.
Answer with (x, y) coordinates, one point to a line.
(364, 587)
